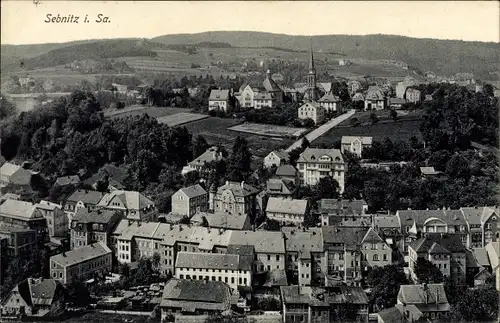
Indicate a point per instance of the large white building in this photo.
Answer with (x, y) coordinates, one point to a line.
(313, 111)
(355, 145)
(314, 164)
(134, 205)
(286, 211)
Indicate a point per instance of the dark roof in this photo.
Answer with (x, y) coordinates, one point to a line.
(38, 292)
(337, 205)
(286, 170)
(204, 260)
(238, 189)
(437, 243)
(67, 180)
(350, 237)
(82, 215)
(270, 85)
(315, 296)
(429, 297)
(246, 253)
(116, 176)
(193, 191)
(86, 196)
(219, 95)
(391, 315)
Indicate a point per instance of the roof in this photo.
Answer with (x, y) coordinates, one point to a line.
(82, 215)
(132, 200)
(288, 206)
(329, 97)
(396, 101)
(358, 97)
(39, 291)
(211, 154)
(438, 243)
(481, 256)
(314, 154)
(364, 140)
(493, 249)
(395, 314)
(280, 186)
(81, 254)
(263, 96)
(19, 209)
(478, 215)
(429, 171)
(8, 169)
(206, 238)
(350, 237)
(374, 93)
(276, 277)
(450, 217)
(386, 221)
(316, 296)
(327, 86)
(281, 154)
(263, 241)
(67, 180)
(223, 220)
(86, 196)
(193, 191)
(238, 189)
(286, 170)
(314, 105)
(303, 241)
(246, 253)
(196, 294)
(270, 85)
(219, 95)
(336, 205)
(372, 237)
(204, 260)
(425, 294)
(129, 229)
(116, 176)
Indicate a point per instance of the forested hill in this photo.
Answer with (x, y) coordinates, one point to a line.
(441, 56)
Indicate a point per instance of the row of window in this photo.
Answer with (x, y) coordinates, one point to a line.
(241, 281)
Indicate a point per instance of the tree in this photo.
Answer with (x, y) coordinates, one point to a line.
(200, 145)
(78, 293)
(272, 225)
(305, 144)
(479, 304)
(394, 114)
(103, 184)
(326, 188)
(354, 121)
(308, 123)
(427, 272)
(385, 283)
(239, 160)
(374, 118)
(7, 108)
(204, 222)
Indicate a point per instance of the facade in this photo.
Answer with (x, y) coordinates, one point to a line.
(314, 164)
(313, 111)
(34, 298)
(84, 263)
(286, 211)
(19, 244)
(288, 172)
(235, 198)
(483, 225)
(133, 205)
(57, 220)
(330, 102)
(353, 86)
(219, 101)
(194, 297)
(273, 89)
(413, 95)
(213, 154)
(315, 305)
(226, 268)
(276, 158)
(430, 299)
(90, 227)
(375, 99)
(24, 215)
(87, 199)
(246, 96)
(190, 200)
(280, 188)
(355, 145)
(263, 100)
(376, 252)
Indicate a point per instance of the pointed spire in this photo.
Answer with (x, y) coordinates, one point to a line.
(311, 57)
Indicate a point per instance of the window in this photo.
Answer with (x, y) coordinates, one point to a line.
(375, 257)
(268, 257)
(385, 257)
(232, 280)
(277, 257)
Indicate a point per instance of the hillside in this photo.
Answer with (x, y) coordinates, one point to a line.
(442, 56)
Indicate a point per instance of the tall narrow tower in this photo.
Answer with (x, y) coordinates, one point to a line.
(311, 78)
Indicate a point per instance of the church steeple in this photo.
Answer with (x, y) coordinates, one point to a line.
(311, 59)
(311, 94)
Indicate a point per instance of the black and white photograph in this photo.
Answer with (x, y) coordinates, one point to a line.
(249, 161)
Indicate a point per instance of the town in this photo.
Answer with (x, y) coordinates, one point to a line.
(283, 191)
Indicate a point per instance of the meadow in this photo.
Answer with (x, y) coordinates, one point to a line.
(155, 112)
(269, 130)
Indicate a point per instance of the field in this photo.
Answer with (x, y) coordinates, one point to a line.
(383, 115)
(155, 112)
(269, 130)
(181, 118)
(399, 130)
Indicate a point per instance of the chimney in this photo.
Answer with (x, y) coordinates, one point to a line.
(242, 184)
(424, 287)
(227, 182)
(180, 227)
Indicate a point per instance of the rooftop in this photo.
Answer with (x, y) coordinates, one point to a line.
(315, 296)
(350, 139)
(286, 170)
(303, 241)
(219, 95)
(211, 154)
(337, 205)
(223, 220)
(263, 241)
(132, 200)
(317, 154)
(203, 260)
(81, 254)
(82, 215)
(438, 243)
(19, 209)
(86, 196)
(238, 189)
(424, 296)
(288, 206)
(67, 180)
(193, 191)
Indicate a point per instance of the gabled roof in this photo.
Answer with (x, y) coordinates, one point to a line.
(129, 229)
(424, 295)
(280, 186)
(374, 93)
(450, 217)
(429, 171)
(223, 221)
(350, 139)
(358, 97)
(81, 254)
(303, 241)
(219, 95)
(82, 215)
(437, 249)
(479, 215)
(39, 291)
(19, 209)
(8, 169)
(238, 189)
(193, 191)
(386, 221)
(132, 200)
(350, 237)
(493, 250)
(116, 176)
(211, 154)
(263, 96)
(337, 205)
(481, 256)
(203, 260)
(288, 206)
(372, 237)
(329, 97)
(270, 85)
(67, 180)
(263, 241)
(18, 175)
(331, 295)
(314, 154)
(313, 105)
(286, 170)
(281, 154)
(86, 196)
(437, 243)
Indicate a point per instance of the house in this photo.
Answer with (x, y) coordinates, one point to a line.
(15, 175)
(358, 97)
(64, 181)
(134, 205)
(34, 297)
(273, 89)
(399, 314)
(313, 111)
(19, 244)
(219, 101)
(493, 250)
(264, 100)
(445, 251)
(355, 145)
(353, 86)
(276, 158)
(57, 220)
(427, 171)
(194, 297)
(330, 102)
(88, 227)
(287, 172)
(200, 163)
(343, 206)
(413, 95)
(376, 252)
(430, 299)
(286, 211)
(315, 304)
(314, 164)
(375, 99)
(483, 225)
(24, 215)
(234, 198)
(280, 188)
(401, 87)
(83, 263)
(190, 200)
(82, 199)
(344, 62)
(114, 175)
(396, 103)
(221, 220)
(226, 268)
(304, 254)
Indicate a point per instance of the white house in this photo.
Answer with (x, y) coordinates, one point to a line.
(330, 102)
(276, 158)
(219, 100)
(355, 145)
(313, 111)
(314, 164)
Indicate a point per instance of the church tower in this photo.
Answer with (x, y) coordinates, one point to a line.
(311, 78)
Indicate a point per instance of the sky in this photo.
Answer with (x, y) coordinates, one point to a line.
(23, 22)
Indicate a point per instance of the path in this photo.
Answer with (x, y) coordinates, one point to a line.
(313, 135)
(126, 312)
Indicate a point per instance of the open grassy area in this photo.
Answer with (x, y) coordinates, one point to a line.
(399, 130)
(155, 112)
(268, 130)
(181, 118)
(383, 115)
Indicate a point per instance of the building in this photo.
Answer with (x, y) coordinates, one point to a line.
(343, 206)
(313, 111)
(399, 314)
(286, 211)
(15, 175)
(413, 95)
(396, 103)
(430, 299)
(483, 225)
(355, 145)
(235, 198)
(64, 181)
(427, 171)
(287, 172)
(246, 96)
(213, 154)
(219, 101)
(314, 164)
(133, 205)
(226, 268)
(82, 199)
(276, 158)
(376, 252)
(221, 220)
(194, 297)
(94, 226)
(264, 100)
(375, 99)
(358, 97)
(34, 298)
(57, 220)
(190, 200)
(24, 215)
(314, 304)
(344, 62)
(304, 254)
(353, 86)
(330, 102)
(18, 244)
(83, 263)
(311, 94)
(273, 89)
(113, 174)
(280, 188)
